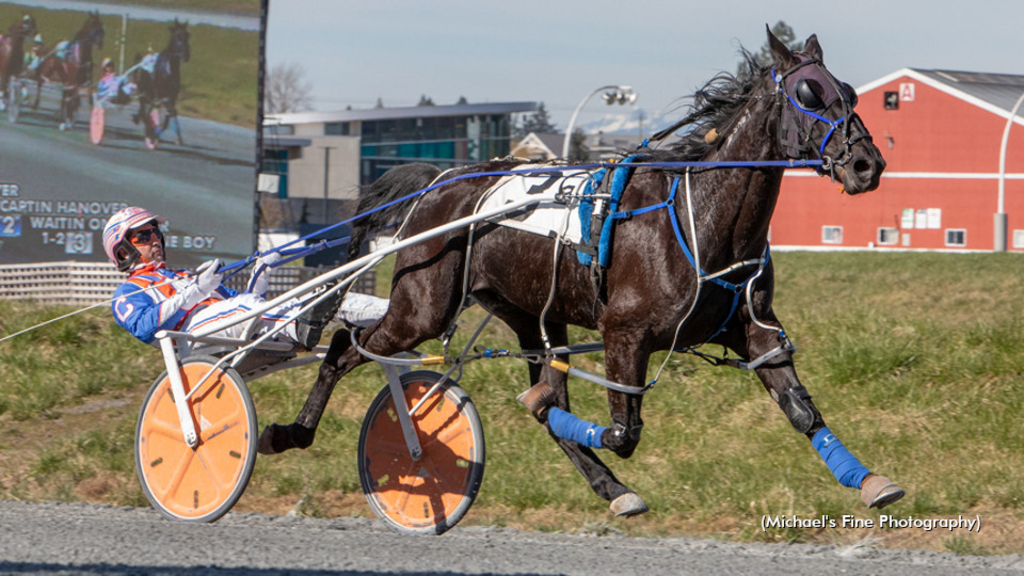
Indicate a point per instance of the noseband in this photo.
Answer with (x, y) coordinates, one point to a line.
(802, 93)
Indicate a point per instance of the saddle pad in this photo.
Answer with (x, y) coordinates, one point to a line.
(549, 217)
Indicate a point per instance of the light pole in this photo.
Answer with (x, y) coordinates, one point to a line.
(615, 95)
(999, 244)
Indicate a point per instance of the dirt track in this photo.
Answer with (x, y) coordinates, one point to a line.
(94, 539)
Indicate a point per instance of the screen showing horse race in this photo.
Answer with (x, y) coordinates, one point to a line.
(115, 104)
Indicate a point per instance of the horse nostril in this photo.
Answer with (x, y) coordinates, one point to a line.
(863, 167)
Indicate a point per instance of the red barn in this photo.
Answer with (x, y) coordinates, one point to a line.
(941, 133)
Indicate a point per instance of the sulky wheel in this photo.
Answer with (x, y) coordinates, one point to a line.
(197, 484)
(431, 494)
(97, 122)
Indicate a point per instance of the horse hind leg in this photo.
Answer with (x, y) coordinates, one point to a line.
(421, 307)
(549, 396)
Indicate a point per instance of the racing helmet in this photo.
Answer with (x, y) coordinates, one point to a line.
(38, 39)
(115, 235)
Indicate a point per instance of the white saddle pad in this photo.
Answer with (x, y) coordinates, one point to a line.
(557, 213)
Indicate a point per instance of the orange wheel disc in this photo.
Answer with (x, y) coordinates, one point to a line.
(197, 484)
(431, 494)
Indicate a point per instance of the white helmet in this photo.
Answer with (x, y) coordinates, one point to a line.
(116, 233)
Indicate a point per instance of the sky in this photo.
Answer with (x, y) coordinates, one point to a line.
(559, 51)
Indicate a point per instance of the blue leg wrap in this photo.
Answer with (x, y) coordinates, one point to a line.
(844, 466)
(567, 426)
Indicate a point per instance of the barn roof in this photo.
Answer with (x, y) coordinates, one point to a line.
(996, 93)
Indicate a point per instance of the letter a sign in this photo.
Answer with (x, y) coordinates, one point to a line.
(907, 92)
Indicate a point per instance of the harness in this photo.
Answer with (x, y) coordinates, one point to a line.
(794, 136)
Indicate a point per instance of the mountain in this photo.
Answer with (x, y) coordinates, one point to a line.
(628, 122)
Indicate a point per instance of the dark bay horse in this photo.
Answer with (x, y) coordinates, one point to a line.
(160, 84)
(12, 52)
(652, 296)
(70, 66)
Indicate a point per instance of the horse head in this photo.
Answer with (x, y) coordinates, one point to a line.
(24, 27)
(817, 118)
(91, 32)
(178, 44)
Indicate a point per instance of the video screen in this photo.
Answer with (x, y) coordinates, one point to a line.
(110, 105)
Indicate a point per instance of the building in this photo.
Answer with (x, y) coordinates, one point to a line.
(325, 156)
(601, 147)
(941, 134)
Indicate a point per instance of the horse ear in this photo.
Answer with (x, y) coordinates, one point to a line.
(813, 49)
(783, 58)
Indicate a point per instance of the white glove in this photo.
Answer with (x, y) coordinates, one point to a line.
(204, 282)
(209, 277)
(260, 278)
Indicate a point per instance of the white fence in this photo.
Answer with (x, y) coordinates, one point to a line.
(84, 283)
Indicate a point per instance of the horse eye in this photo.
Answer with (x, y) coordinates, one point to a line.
(807, 94)
(851, 95)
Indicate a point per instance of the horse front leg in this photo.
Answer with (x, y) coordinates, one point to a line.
(779, 377)
(172, 114)
(549, 396)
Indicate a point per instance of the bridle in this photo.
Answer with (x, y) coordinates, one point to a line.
(178, 45)
(802, 93)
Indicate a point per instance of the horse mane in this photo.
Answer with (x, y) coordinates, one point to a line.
(714, 106)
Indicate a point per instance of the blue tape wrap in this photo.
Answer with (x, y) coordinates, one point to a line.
(844, 466)
(586, 211)
(620, 177)
(567, 426)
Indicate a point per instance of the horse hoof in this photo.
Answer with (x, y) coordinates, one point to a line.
(537, 399)
(276, 438)
(265, 445)
(878, 491)
(629, 504)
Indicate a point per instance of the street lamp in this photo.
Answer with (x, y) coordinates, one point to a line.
(614, 95)
(999, 245)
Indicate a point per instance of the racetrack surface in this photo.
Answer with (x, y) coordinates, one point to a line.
(74, 538)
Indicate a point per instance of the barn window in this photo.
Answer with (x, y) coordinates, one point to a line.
(888, 236)
(956, 237)
(831, 234)
(1018, 238)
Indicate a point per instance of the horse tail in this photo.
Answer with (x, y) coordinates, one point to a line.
(395, 183)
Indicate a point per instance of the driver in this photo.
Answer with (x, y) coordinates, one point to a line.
(113, 88)
(155, 298)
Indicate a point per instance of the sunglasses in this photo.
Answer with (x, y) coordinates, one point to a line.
(142, 237)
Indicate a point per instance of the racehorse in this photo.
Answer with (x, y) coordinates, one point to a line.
(655, 294)
(71, 67)
(12, 52)
(160, 82)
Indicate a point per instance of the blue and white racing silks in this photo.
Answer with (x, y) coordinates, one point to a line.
(144, 312)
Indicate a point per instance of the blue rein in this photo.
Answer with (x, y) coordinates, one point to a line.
(292, 254)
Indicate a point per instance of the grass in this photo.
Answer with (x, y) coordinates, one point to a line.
(915, 360)
(219, 82)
